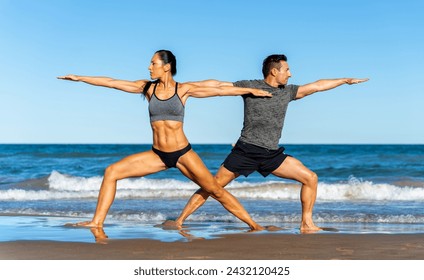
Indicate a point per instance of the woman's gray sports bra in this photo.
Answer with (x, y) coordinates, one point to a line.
(170, 109)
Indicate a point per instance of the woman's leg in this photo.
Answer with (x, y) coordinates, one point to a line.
(136, 165)
(193, 167)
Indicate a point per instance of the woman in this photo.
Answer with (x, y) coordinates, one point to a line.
(170, 146)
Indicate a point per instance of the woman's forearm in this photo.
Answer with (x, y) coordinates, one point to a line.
(128, 86)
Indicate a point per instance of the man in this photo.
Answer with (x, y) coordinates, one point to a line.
(257, 148)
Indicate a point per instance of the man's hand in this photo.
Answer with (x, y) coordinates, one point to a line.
(352, 81)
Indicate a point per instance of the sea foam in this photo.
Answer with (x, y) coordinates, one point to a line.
(63, 186)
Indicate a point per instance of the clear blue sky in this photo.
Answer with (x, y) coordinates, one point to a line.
(219, 39)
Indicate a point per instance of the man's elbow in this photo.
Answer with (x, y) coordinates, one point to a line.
(225, 84)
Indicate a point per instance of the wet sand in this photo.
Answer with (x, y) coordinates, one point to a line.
(229, 247)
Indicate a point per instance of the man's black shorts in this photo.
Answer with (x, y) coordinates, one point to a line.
(246, 158)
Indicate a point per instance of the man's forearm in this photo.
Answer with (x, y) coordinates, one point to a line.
(325, 84)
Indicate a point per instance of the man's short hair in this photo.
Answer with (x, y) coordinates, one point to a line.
(272, 61)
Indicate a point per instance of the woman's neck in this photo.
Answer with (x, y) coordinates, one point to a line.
(166, 82)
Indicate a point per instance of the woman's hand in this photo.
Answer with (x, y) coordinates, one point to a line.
(69, 78)
(259, 92)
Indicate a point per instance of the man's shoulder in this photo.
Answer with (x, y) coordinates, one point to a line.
(291, 87)
(249, 83)
(262, 83)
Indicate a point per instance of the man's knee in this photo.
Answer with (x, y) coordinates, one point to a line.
(312, 179)
(111, 172)
(224, 176)
(220, 181)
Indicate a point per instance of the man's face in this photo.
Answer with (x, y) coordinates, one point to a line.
(283, 74)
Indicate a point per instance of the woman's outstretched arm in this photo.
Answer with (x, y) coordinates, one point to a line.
(211, 83)
(210, 91)
(127, 86)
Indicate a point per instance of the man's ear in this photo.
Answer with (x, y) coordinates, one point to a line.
(273, 72)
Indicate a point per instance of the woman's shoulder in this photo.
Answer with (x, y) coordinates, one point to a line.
(146, 85)
(186, 86)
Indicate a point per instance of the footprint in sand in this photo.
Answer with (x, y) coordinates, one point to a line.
(345, 251)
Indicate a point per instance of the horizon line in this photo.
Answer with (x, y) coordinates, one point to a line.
(220, 143)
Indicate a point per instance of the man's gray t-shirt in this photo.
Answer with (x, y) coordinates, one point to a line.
(264, 116)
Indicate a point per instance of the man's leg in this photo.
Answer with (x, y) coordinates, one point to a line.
(292, 168)
(223, 177)
(191, 165)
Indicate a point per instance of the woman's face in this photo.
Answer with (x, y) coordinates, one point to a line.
(156, 67)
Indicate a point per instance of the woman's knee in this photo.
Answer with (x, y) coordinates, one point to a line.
(216, 192)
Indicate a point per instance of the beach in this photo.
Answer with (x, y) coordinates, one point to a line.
(258, 255)
(370, 201)
(229, 247)
(361, 189)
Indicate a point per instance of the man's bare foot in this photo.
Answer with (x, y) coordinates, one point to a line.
(88, 224)
(267, 228)
(309, 228)
(188, 235)
(99, 235)
(256, 228)
(171, 225)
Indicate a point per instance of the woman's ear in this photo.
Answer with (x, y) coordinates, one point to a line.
(167, 67)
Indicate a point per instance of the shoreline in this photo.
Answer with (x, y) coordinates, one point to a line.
(228, 247)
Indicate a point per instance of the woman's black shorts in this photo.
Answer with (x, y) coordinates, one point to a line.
(171, 158)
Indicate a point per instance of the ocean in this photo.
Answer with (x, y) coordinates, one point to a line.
(362, 189)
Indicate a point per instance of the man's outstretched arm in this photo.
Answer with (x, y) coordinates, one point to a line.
(325, 84)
